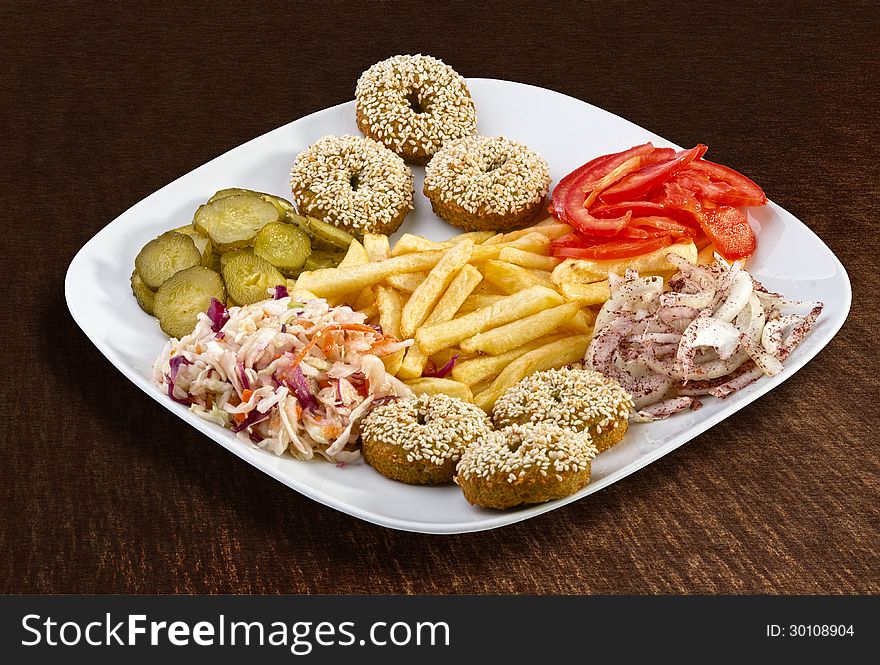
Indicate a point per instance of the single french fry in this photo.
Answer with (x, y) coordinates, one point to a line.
(355, 256)
(586, 271)
(553, 230)
(442, 335)
(514, 334)
(364, 299)
(485, 368)
(440, 358)
(338, 281)
(377, 246)
(459, 289)
(371, 312)
(409, 242)
(478, 301)
(426, 295)
(524, 259)
(586, 294)
(390, 306)
(582, 322)
(510, 279)
(434, 386)
(407, 282)
(556, 354)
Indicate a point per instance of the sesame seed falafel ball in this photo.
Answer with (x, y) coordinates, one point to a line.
(419, 440)
(354, 183)
(572, 397)
(523, 464)
(413, 104)
(487, 183)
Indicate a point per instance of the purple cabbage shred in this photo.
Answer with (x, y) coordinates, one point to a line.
(218, 315)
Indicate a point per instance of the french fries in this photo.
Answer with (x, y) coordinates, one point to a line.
(526, 259)
(510, 336)
(477, 370)
(329, 282)
(587, 271)
(555, 354)
(426, 295)
(459, 289)
(406, 282)
(390, 305)
(586, 294)
(509, 278)
(497, 307)
(377, 246)
(433, 386)
(439, 336)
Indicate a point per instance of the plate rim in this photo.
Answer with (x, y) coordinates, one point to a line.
(491, 521)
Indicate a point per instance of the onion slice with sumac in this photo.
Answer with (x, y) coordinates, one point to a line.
(714, 331)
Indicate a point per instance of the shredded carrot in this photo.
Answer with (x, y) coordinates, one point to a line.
(239, 418)
(246, 395)
(354, 327)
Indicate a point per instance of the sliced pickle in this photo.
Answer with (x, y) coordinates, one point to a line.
(323, 235)
(142, 293)
(160, 258)
(234, 221)
(283, 205)
(225, 256)
(248, 277)
(201, 241)
(179, 300)
(321, 258)
(285, 246)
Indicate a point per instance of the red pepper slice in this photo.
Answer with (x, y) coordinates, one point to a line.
(591, 172)
(616, 249)
(637, 184)
(746, 192)
(729, 230)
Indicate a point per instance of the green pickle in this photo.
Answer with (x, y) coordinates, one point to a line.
(285, 246)
(321, 258)
(142, 293)
(164, 256)
(248, 277)
(323, 235)
(234, 221)
(188, 292)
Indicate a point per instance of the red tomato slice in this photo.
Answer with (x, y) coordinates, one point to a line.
(637, 184)
(581, 220)
(591, 172)
(664, 225)
(729, 230)
(616, 249)
(745, 191)
(648, 209)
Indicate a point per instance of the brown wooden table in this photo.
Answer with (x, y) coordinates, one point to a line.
(104, 491)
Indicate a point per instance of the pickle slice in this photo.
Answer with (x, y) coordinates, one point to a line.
(248, 277)
(321, 258)
(179, 300)
(323, 235)
(283, 205)
(200, 240)
(285, 246)
(142, 293)
(160, 258)
(234, 221)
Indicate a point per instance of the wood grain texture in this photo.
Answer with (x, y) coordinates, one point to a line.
(105, 491)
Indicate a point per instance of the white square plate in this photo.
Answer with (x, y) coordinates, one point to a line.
(790, 259)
